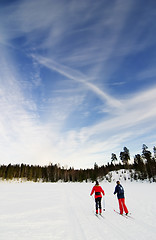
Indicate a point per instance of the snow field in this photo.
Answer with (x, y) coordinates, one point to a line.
(43, 211)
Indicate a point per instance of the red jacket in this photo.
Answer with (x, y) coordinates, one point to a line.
(98, 190)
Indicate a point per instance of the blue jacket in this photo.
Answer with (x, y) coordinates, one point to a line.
(120, 191)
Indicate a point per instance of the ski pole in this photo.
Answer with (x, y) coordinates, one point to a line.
(104, 205)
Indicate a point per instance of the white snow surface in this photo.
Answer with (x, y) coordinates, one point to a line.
(65, 211)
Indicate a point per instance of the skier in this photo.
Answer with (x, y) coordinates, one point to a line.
(98, 196)
(121, 198)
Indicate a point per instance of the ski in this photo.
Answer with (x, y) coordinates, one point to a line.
(129, 216)
(97, 215)
(123, 215)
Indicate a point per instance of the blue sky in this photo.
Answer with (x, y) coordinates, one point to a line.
(77, 80)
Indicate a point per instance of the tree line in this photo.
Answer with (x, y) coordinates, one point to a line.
(144, 165)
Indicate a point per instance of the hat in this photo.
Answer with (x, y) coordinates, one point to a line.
(97, 183)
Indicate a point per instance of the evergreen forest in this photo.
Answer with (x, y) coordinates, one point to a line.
(143, 166)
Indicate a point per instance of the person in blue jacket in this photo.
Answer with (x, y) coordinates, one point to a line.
(121, 198)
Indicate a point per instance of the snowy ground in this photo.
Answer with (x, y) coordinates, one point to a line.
(65, 211)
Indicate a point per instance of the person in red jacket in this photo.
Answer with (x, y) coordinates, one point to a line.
(97, 189)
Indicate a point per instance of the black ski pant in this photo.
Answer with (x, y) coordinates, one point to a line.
(98, 203)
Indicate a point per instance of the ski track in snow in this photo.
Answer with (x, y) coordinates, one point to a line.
(43, 211)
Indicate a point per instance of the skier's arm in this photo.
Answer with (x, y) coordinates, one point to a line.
(115, 190)
(92, 191)
(102, 191)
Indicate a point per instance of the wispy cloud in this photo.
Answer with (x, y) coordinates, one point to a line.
(69, 80)
(109, 135)
(79, 77)
(147, 74)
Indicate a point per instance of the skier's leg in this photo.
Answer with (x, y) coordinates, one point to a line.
(124, 206)
(96, 205)
(120, 206)
(100, 205)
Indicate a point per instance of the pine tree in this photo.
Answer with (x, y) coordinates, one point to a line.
(125, 156)
(147, 155)
(113, 158)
